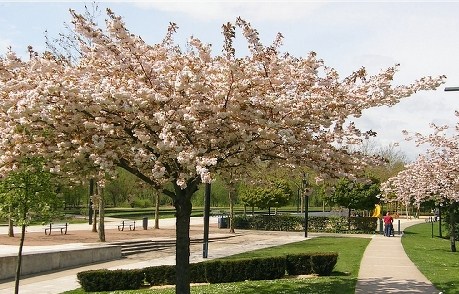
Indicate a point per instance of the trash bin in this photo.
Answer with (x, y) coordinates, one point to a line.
(222, 222)
(145, 223)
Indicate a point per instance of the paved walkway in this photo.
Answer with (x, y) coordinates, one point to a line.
(385, 267)
(379, 272)
(65, 280)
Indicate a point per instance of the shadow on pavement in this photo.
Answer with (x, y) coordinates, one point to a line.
(388, 285)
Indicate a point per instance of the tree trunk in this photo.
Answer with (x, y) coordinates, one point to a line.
(452, 226)
(157, 210)
(10, 224)
(94, 221)
(18, 266)
(94, 217)
(101, 215)
(183, 208)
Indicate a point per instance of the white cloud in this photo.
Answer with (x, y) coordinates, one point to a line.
(225, 10)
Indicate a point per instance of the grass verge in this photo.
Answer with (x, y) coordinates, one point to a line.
(433, 257)
(342, 280)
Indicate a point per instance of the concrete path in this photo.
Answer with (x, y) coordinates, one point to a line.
(385, 268)
(65, 280)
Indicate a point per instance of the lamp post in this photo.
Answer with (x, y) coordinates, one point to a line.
(447, 89)
(205, 245)
(306, 203)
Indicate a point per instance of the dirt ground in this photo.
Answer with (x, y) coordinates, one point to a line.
(111, 235)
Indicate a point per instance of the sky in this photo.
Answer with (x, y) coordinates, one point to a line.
(421, 36)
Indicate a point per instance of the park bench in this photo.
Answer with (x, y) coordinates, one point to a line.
(59, 227)
(126, 223)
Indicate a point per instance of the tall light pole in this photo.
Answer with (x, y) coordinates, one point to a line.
(306, 203)
(205, 245)
(453, 244)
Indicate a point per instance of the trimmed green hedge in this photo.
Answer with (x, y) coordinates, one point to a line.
(285, 222)
(110, 280)
(213, 271)
(226, 271)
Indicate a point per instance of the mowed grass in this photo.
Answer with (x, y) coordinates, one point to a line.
(433, 256)
(342, 280)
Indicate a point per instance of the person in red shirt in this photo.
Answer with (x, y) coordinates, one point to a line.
(388, 227)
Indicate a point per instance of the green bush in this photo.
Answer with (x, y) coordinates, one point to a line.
(337, 224)
(198, 272)
(323, 263)
(333, 224)
(213, 271)
(160, 275)
(141, 203)
(318, 223)
(367, 225)
(299, 264)
(108, 280)
(224, 271)
(280, 222)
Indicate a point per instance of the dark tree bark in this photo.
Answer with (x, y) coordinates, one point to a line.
(10, 224)
(19, 264)
(101, 216)
(91, 194)
(183, 208)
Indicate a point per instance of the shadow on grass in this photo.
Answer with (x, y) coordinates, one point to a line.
(340, 274)
(410, 233)
(328, 286)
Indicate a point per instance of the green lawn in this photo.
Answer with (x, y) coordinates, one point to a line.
(342, 280)
(433, 257)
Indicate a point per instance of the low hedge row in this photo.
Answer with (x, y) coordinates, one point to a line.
(213, 271)
(282, 222)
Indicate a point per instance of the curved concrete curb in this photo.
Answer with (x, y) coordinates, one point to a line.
(39, 262)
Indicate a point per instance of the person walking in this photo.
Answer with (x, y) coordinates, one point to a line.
(388, 226)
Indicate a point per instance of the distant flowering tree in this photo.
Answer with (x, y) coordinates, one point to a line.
(180, 116)
(433, 176)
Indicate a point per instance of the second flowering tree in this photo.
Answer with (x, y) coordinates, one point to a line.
(433, 176)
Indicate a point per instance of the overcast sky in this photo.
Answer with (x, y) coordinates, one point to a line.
(421, 36)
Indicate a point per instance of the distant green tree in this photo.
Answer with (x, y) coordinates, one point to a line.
(122, 190)
(360, 194)
(276, 194)
(28, 194)
(250, 196)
